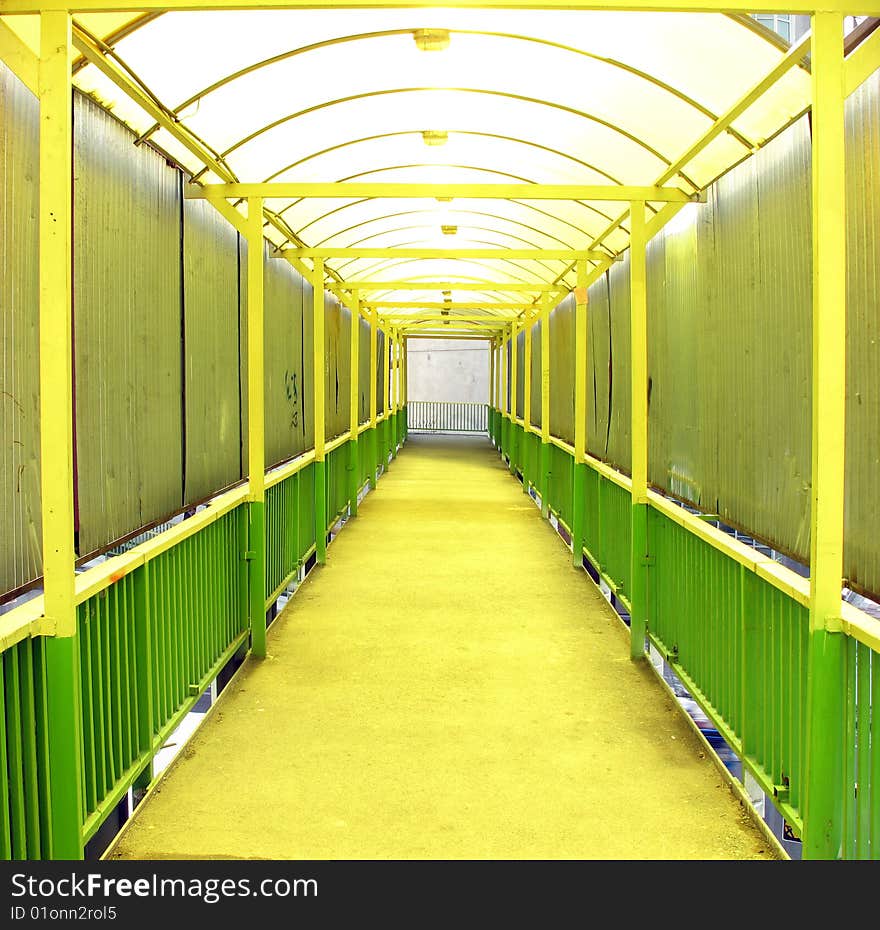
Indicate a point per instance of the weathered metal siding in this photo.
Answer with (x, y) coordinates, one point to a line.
(862, 551)
(608, 372)
(535, 399)
(562, 356)
(20, 524)
(211, 341)
(283, 354)
(729, 337)
(127, 313)
(363, 370)
(337, 358)
(380, 354)
(520, 372)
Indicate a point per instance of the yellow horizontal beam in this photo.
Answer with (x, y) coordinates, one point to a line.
(443, 305)
(449, 286)
(870, 7)
(334, 189)
(427, 252)
(485, 337)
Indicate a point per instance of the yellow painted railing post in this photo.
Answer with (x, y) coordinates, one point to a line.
(826, 670)
(492, 389)
(505, 394)
(354, 464)
(394, 389)
(56, 438)
(374, 404)
(581, 354)
(513, 390)
(527, 403)
(639, 429)
(545, 411)
(404, 357)
(320, 375)
(386, 399)
(256, 430)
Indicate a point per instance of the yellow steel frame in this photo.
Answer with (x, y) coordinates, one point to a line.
(871, 7)
(50, 76)
(347, 189)
(466, 285)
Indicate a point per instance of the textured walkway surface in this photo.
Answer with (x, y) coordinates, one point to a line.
(447, 686)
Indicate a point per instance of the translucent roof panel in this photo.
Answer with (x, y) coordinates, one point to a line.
(444, 96)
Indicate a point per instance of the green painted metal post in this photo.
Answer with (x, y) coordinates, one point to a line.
(63, 698)
(826, 669)
(639, 430)
(143, 644)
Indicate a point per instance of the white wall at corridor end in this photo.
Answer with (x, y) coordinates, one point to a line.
(448, 369)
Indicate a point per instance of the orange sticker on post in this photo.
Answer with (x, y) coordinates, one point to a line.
(580, 295)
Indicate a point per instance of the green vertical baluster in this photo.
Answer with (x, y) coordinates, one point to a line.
(15, 753)
(5, 792)
(29, 747)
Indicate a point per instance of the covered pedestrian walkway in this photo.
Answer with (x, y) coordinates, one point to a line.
(468, 697)
(224, 224)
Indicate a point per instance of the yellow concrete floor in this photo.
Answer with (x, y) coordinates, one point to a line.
(447, 686)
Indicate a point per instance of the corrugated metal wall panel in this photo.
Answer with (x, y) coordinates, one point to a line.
(337, 356)
(762, 421)
(862, 551)
(520, 370)
(562, 356)
(380, 354)
(608, 409)
(536, 376)
(20, 525)
(211, 316)
(683, 454)
(363, 370)
(283, 353)
(127, 313)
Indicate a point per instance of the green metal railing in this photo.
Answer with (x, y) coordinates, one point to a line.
(155, 627)
(733, 625)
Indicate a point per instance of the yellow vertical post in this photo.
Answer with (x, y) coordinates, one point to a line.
(395, 390)
(527, 401)
(545, 411)
(319, 417)
(404, 357)
(386, 402)
(374, 404)
(513, 389)
(56, 438)
(639, 429)
(492, 390)
(256, 429)
(354, 465)
(826, 669)
(581, 354)
(505, 395)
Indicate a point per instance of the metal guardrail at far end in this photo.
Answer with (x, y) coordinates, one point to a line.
(440, 416)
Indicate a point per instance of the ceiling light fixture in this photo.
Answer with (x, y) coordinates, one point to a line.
(448, 230)
(435, 136)
(431, 40)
